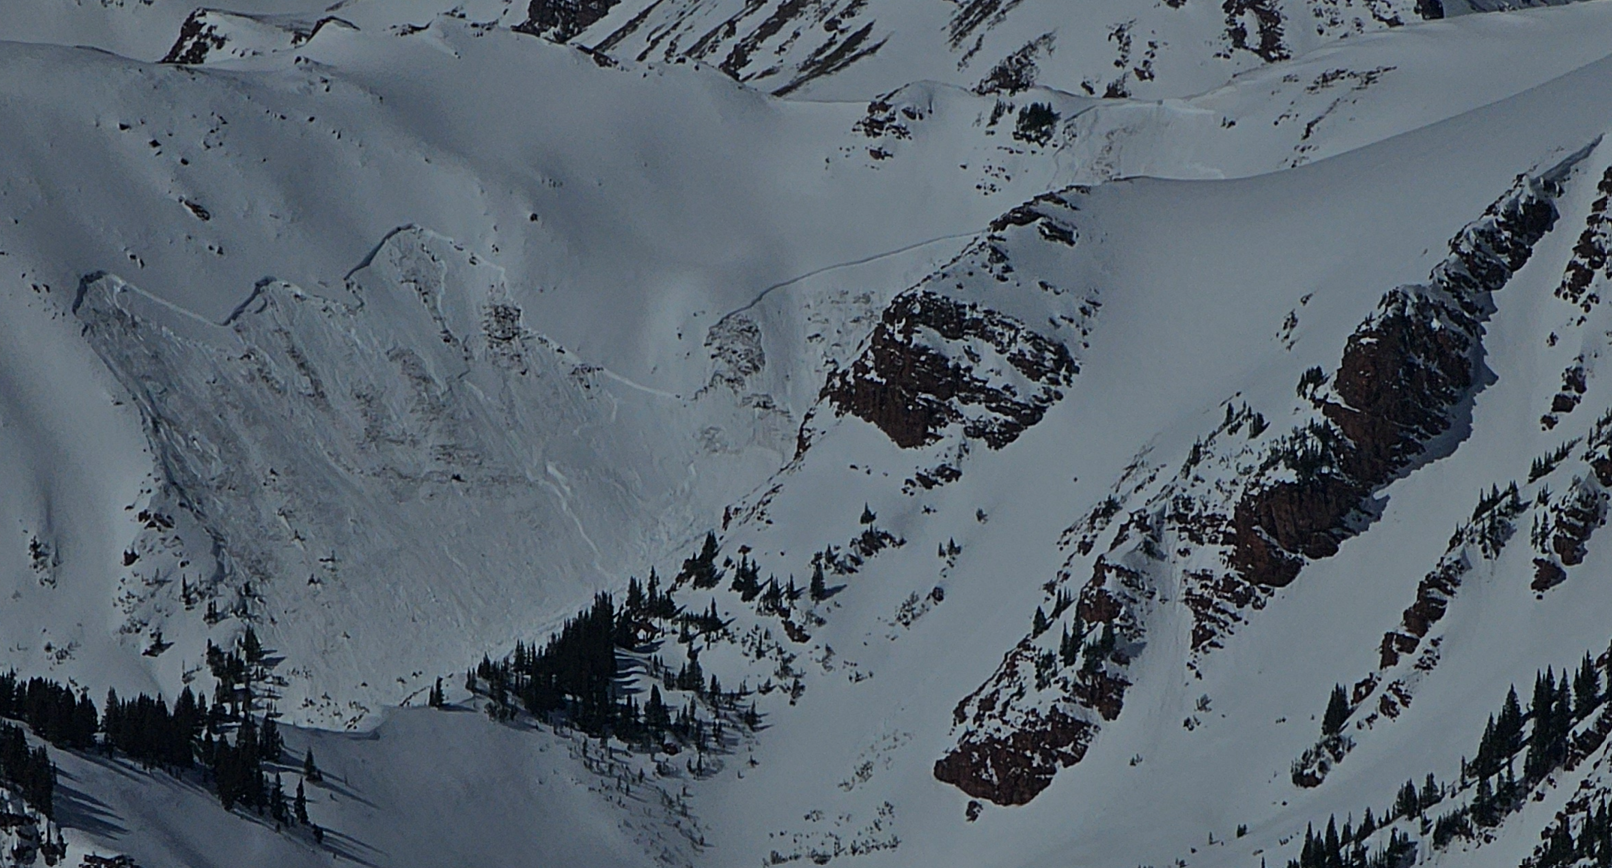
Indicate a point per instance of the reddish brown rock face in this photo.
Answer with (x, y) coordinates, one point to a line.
(1403, 377)
(1590, 254)
(1404, 381)
(1013, 769)
(915, 378)
(944, 360)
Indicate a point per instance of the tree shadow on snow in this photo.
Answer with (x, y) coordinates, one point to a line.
(347, 847)
(340, 787)
(77, 809)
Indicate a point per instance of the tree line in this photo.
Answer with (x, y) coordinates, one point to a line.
(1540, 735)
(578, 676)
(145, 729)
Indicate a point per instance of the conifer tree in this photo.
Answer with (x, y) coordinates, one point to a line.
(634, 603)
(1586, 688)
(299, 807)
(277, 811)
(1333, 846)
(1337, 711)
(1563, 724)
(269, 741)
(746, 579)
(1407, 804)
(1068, 648)
(1538, 762)
(772, 599)
(818, 590)
(251, 648)
(656, 717)
(1489, 754)
(1430, 793)
(310, 769)
(1483, 805)
(109, 718)
(701, 570)
(1508, 727)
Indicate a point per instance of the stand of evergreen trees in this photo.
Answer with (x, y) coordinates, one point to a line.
(1542, 734)
(53, 711)
(1334, 849)
(238, 771)
(1556, 707)
(1593, 842)
(577, 676)
(577, 673)
(146, 731)
(28, 771)
(700, 570)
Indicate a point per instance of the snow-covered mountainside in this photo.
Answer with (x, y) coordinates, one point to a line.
(700, 433)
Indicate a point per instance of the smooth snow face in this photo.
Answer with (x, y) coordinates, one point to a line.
(400, 342)
(424, 788)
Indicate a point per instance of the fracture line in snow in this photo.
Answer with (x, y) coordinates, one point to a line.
(642, 388)
(854, 262)
(124, 286)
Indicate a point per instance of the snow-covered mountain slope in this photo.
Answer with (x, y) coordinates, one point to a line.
(424, 788)
(1218, 660)
(396, 337)
(838, 49)
(242, 266)
(234, 203)
(835, 48)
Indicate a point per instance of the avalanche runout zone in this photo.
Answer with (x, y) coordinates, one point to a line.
(1237, 523)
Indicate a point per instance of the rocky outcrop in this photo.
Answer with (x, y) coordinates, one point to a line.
(1403, 377)
(1562, 525)
(1017, 72)
(780, 44)
(211, 35)
(944, 360)
(1591, 253)
(1015, 768)
(973, 15)
(1256, 26)
(912, 388)
(1041, 708)
(1573, 518)
(562, 20)
(1246, 511)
